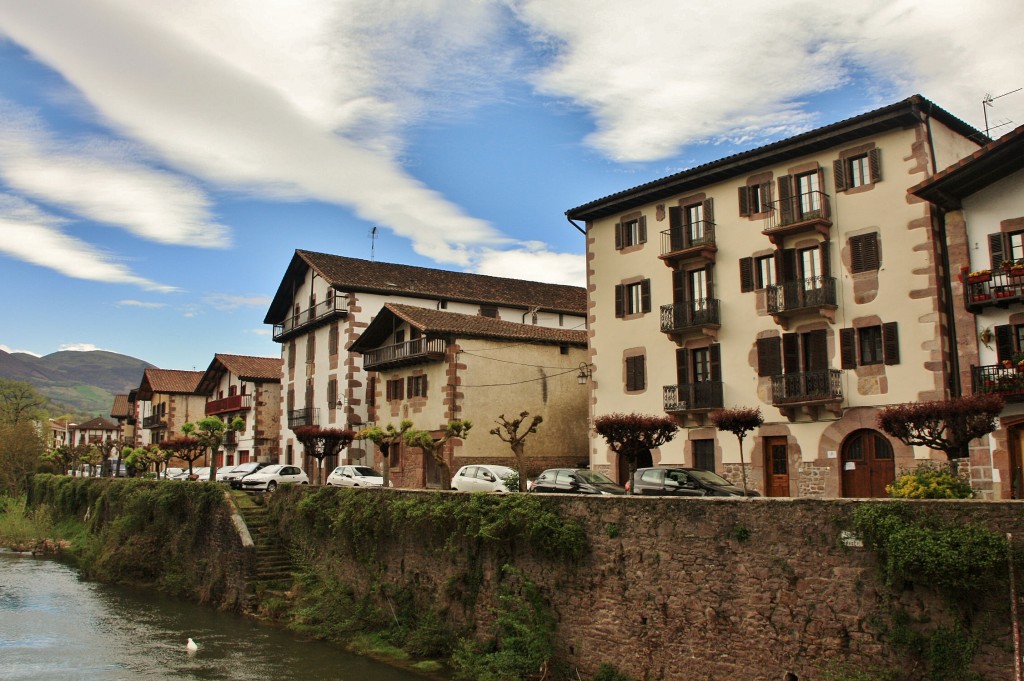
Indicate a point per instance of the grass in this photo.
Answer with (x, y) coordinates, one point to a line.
(19, 530)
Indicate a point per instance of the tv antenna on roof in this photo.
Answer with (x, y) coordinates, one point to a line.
(987, 102)
(373, 241)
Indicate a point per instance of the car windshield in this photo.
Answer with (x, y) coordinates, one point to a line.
(240, 468)
(501, 471)
(709, 477)
(595, 478)
(270, 470)
(365, 472)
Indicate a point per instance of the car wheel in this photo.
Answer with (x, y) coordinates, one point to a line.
(272, 485)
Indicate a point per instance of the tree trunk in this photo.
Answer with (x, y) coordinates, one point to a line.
(385, 464)
(518, 450)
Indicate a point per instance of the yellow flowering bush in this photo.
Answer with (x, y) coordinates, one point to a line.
(929, 481)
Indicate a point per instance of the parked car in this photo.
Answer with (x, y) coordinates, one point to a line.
(575, 481)
(233, 476)
(483, 478)
(270, 478)
(173, 473)
(684, 482)
(356, 476)
(199, 473)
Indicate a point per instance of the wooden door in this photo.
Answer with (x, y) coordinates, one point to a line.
(776, 467)
(867, 465)
(1016, 446)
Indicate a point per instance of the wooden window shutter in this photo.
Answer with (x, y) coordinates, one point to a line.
(709, 277)
(424, 379)
(875, 164)
(618, 236)
(642, 229)
(825, 251)
(409, 384)
(645, 295)
(839, 171)
(864, 253)
(744, 195)
(1004, 342)
(715, 357)
(848, 348)
(817, 350)
(890, 343)
(619, 301)
(766, 195)
(995, 249)
(746, 274)
(682, 367)
(709, 211)
(786, 199)
(788, 269)
(768, 356)
(790, 353)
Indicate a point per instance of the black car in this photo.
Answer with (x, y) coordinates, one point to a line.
(684, 482)
(575, 481)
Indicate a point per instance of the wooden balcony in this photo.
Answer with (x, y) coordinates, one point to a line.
(1001, 289)
(311, 318)
(793, 298)
(310, 416)
(810, 212)
(998, 379)
(153, 421)
(700, 315)
(689, 242)
(229, 404)
(231, 438)
(690, 397)
(415, 351)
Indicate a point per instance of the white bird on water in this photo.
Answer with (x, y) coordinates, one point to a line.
(191, 646)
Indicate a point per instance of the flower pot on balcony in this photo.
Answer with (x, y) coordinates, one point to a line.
(978, 278)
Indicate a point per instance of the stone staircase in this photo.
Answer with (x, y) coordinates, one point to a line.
(272, 571)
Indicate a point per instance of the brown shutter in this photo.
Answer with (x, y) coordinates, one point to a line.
(678, 238)
(766, 195)
(768, 355)
(839, 171)
(642, 229)
(790, 353)
(709, 212)
(786, 199)
(746, 274)
(1004, 342)
(744, 195)
(645, 295)
(425, 386)
(788, 270)
(875, 164)
(409, 386)
(848, 348)
(826, 258)
(619, 301)
(678, 286)
(857, 254)
(890, 343)
(715, 356)
(682, 367)
(995, 249)
(709, 276)
(817, 350)
(618, 236)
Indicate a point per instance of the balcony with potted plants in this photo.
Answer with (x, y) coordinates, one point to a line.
(996, 287)
(1005, 378)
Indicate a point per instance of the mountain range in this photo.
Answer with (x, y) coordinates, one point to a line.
(79, 382)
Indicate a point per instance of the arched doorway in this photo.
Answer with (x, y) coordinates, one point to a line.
(867, 464)
(643, 460)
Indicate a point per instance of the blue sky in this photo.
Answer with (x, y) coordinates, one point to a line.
(161, 161)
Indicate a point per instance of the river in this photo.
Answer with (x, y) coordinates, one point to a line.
(55, 626)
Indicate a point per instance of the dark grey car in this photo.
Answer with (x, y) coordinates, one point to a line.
(684, 482)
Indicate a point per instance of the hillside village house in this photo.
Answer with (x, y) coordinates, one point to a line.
(123, 413)
(981, 199)
(324, 303)
(799, 277)
(432, 366)
(169, 398)
(56, 433)
(95, 431)
(248, 388)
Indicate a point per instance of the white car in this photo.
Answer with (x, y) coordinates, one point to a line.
(173, 473)
(483, 478)
(271, 477)
(356, 476)
(201, 474)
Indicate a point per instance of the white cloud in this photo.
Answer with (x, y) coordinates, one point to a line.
(533, 262)
(8, 349)
(105, 181)
(226, 301)
(140, 303)
(28, 234)
(660, 74)
(260, 332)
(80, 347)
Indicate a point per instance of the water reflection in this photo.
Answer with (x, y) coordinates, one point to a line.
(55, 626)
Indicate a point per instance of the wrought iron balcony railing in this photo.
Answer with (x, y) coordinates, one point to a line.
(229, 404)
(681, 242)
(803, 212)
(692, 396)
(400, 354)
(321, 313)
(1000, 380)
(153, 421)
(231, 437)
(802, 294)
(310, 416)
(689, 314)
(994, 289)
(823, 385)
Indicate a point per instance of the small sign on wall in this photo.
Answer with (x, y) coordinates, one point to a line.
(831, 453)
(850, 466)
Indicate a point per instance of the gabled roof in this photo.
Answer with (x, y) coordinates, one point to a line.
(454, 324)
(904, 114)
(120, 408)
(169, 382)
(991, 163)
(353, 274)
(98, 423)
(245, 367)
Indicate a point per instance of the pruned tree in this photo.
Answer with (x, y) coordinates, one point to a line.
(136, 460)
(87, 455)
(321, 443)
(188, 449)
(385, 438)
(209, 431)
(944, 425)
(62, 458)
(739, 421)
(630, 435)
(508, 431)
(436, 448)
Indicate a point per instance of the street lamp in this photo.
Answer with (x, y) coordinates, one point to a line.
(586, 372)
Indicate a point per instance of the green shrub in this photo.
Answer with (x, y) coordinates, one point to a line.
(929, 480)
(608, 672)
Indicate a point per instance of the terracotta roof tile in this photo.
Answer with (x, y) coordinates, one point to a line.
(172, 380)
(252, 368)
(121, 408)
(98, 423)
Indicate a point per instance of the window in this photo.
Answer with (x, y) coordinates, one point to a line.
(394, 389)
(630, 232)
(857, 170)
(635, 374)
(808, 188)
(332, 393)
(399, 336)
(416, 386)
(704, 455)
(755, 198)
(764, 271)
(867, 345)
(701, 361)
(489, 311)
(859, 175)
(864, 253)
(1009, 341)
(291, 354)
(634, 298)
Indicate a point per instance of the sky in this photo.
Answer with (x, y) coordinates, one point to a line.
(161, 161)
